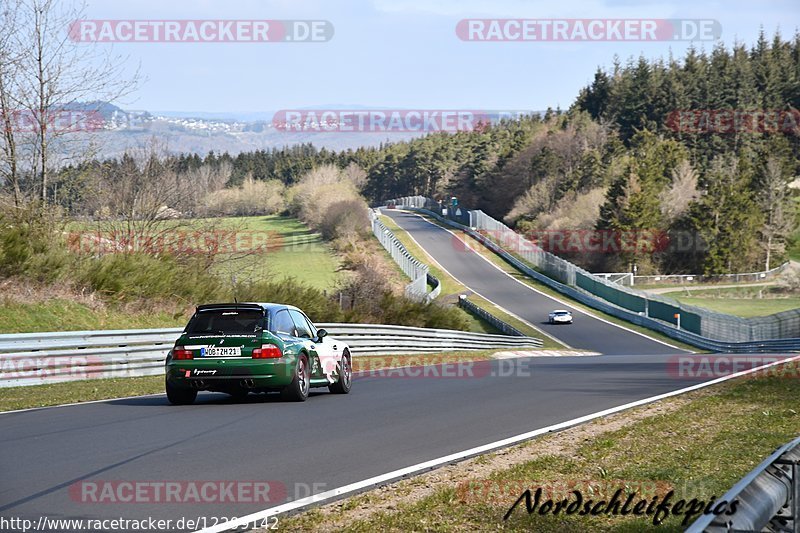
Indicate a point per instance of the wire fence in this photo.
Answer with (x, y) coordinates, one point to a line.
(746, 277)
(697, 320)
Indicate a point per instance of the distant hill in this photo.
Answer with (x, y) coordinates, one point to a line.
(233, 132)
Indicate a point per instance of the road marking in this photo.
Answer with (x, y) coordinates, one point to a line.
(80, 403)
(435, 262)
(359, 486)
(542, 353)
(562, 302)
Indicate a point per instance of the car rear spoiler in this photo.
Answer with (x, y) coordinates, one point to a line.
(234, 306)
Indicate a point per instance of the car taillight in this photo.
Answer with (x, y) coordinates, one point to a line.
(267, 351)
(180, 353)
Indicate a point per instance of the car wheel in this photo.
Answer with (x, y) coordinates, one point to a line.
(297, 390)
(179, 396)
(345, 371)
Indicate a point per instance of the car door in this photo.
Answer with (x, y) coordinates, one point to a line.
(324, 350)
(306, 333)
(329, 353)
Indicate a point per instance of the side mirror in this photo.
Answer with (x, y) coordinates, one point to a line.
(321, 333)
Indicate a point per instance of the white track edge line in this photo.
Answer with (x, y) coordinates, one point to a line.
(79, 403)
(458, 456)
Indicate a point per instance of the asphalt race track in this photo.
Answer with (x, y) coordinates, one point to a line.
(386, 423)
(390, 421)
(587, 332)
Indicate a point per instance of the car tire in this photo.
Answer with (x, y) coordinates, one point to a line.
(345, 371)
(297, 390)
(179, 396)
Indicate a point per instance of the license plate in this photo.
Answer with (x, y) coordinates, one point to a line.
(218, 351)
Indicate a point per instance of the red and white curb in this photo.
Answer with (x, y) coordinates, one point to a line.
(543, 353)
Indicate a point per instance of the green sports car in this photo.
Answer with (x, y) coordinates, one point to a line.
(255, 347)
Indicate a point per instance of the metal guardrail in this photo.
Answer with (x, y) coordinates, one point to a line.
(39, 358)
(766, 346)
(698, 320)
(412, 267)
(500, 325)
(768, 497)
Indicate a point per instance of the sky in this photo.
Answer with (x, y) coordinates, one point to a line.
(401, 54)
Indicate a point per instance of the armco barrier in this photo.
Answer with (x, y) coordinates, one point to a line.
(768, 497)
(763, 346)
(38, 358)
(505, 328)
(413, 268)
(709, 324)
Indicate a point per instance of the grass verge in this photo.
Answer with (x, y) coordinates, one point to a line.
(78, 391)
(66, 315)
(698, 444)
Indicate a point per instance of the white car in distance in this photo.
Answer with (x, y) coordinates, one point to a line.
(560, 316)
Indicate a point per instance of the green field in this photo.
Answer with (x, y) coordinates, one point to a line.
(744, 301)
(292, 249)
(298, 252)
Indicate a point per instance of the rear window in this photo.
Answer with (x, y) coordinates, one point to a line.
(226, 322)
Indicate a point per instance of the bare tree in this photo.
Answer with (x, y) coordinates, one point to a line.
(9, 65)
(676, 198)
(539, 198)
(777, 209)
(54, 76)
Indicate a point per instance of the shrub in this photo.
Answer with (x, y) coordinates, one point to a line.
(316, 304)
(404, 312)
(344, 219)
(252, 198)
(131, 276)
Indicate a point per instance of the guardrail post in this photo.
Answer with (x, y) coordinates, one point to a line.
(791, 513)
